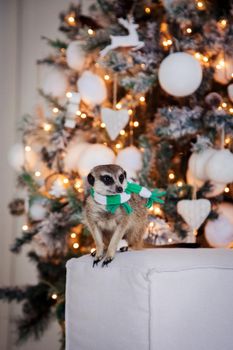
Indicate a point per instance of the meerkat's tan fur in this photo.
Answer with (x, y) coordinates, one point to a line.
(106, 228)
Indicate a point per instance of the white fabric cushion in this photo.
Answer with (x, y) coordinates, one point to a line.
(157, 299)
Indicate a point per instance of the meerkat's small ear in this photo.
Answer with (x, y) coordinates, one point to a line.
(125, 175)
(90, 179)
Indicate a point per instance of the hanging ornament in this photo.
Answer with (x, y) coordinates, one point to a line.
(75, 55)
(180, 74)
(194, 212)
(192, 180)
(55, 83)
(56, 185)
(130, 40)
(219, 167)
(73, 154)
(114, 121)
(95, 154)
(213, 99)
(37, 210)
(197, 163)
(92, 88)
(230, 92)
(130, 159)
(219, 232)
(223, 69)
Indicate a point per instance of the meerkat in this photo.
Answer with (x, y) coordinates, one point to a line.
(109, 228)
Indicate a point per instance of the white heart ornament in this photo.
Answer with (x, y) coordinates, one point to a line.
(194, 212)
(114, 121)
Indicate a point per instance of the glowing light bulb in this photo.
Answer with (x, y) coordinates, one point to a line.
(25, 227)
(147, 10)
(27, 148)
(130, 111)
(136, 124)
(157, 210)
(37, 173)
(77, 184)
(73, 235)
(118, 146)
(69, 94)
(54, 296)
(224, 104)
(118, 105)
(142, 99)
(189, 30)
(205, 59)
(122, 132)
(83, 115)
(165, 44)
(227, 140)
(90, 31)
(169, 42)
(169, 240)
(75, 245)
(71, 20)
(102, 125)
(197, 55)
(78, 113)
(65, 180)
(55, 110)
(223, 23)
(171, 176)
(231, 110)
(106, 77)
(47, 127)
(179, 183)
(200, 5)
(227, 189)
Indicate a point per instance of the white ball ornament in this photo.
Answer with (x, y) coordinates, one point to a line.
(219, 167)
(55, 83)
(74, 152)
(219, 232)
(37, 211)
(197, 163)
(226, 209)
(92, 88)
(191, 180)
(75, 56)
(130, 159)
(180, 74)
(95, 154)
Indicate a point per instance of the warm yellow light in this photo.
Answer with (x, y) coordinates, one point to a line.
(143, 65)
(227, 140)
(227, 189)
(147, 10)
(27, 148)
(90, 31)
(232, 75)
(169, 42)
(83, 115)
(157, 210)
(136, 124)
(205, 59)
(179, 183)
(69, 94)
(200, 4)
(130, 111)
(106, 77)
(122, 132)
(171, 176)
(169, 240)
(231, 110)
(197, 55)
(65, 180)
(37, 173)
(78, 113)
(118, 105)
(219, 108)
(77, 184)
(73, 235)
(223, 23)
(71, 19)
(189, 30)
(165, 43)
(224, 104)
(25, 227)
(118, 146)
(54, 296)
(142, 99)
(75, 245)
(47, 127)
(102, 125)
(55, 110)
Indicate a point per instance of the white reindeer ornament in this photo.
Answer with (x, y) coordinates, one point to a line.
(130, 40)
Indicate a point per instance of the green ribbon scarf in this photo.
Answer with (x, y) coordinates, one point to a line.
(112, 202)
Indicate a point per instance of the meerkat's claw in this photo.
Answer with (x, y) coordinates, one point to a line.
(124, 249)
(96, 261)
(107, 261)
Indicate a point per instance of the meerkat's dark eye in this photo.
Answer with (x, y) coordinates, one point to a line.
(107, 180)
(121, 178)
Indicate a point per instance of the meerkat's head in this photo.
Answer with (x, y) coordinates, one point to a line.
(108, 179)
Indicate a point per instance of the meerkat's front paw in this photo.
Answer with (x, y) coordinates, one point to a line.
(97, 260)
(107, 261)
(124, 249)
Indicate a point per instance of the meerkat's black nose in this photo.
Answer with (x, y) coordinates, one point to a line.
(119, 189)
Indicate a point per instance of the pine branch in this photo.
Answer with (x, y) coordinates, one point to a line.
(24, 239)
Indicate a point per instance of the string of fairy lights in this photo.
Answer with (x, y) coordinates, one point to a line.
(167, 42)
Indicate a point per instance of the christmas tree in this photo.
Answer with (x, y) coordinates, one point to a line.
(143, 84)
